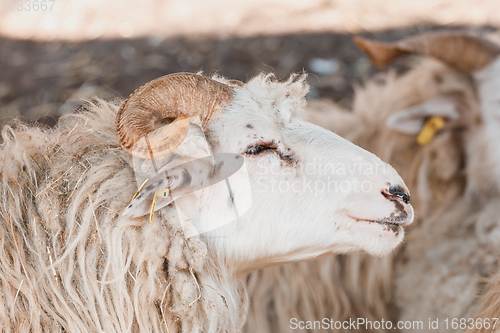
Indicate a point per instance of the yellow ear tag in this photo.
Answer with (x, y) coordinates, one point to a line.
(431, 126)
(163, 193)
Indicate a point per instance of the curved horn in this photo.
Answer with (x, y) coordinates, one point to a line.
(467, 53)
(175, 96)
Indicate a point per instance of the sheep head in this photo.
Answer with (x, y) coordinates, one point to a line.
(469, 55)
(311, 192)
(474, 68)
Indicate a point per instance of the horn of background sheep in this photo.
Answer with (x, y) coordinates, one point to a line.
(467, 53)
(166, 98)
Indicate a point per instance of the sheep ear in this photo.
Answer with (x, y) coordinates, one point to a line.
(411, 120)
(171, 183)
(148, 196)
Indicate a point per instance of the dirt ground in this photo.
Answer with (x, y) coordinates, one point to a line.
(50, 60)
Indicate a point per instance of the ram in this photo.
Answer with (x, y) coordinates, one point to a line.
(77, 255)
(452, 175)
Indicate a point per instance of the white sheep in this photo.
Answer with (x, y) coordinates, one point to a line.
(74, 259)
(435, 174)
(458, 257)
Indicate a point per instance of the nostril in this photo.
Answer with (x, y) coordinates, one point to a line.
(399, 192)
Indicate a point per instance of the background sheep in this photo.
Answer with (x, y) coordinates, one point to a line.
(72, 262)
(463, 249)
(435, 174)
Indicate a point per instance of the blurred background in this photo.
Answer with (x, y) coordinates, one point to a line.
(53, 54)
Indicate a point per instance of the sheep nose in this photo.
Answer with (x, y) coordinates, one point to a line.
(397, 192)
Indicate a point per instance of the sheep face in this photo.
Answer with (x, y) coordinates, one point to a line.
(313, 192)
(310, 192)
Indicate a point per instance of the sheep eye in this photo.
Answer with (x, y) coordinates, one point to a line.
(271, 147)
(257, 150)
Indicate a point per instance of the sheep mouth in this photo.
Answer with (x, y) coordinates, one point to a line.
(387, 224)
